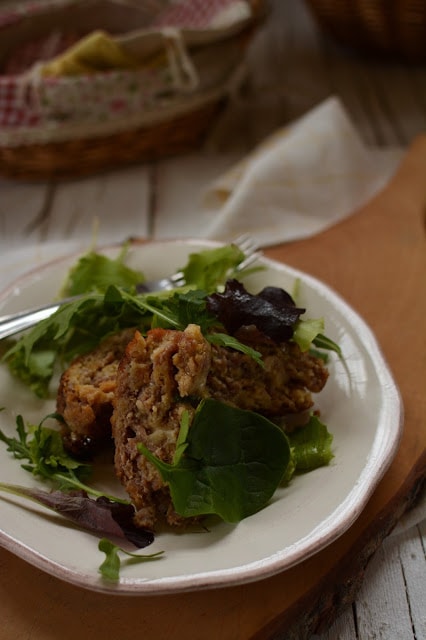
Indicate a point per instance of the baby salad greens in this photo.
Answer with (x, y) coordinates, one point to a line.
(95, 272)
(204, 270)
(110, 567)
(111, 302)
(78, 326)
(42, 454)
(228, 462)
(42, 450)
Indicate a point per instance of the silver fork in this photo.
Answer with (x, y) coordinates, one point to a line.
(17, 322)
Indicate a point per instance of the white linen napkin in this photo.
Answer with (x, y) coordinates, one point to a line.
(299, 181)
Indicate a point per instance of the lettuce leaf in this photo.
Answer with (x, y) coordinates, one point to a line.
(311, 445)
(209, 269)
(95, 272)
(230, 464)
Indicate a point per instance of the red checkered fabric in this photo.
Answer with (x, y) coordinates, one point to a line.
(15, 107)
(191, 13)
(14, 112)
(37, 50)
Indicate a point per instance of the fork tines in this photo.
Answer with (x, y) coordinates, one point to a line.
(250, 248)
(246, 243)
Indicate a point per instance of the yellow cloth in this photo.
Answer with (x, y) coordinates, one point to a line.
(96, 52)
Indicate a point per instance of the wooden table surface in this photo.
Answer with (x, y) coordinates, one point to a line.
(292, 68)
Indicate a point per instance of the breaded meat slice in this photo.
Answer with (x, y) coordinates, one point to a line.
(156, 380)
(283, 386)
(170, 371)
(85, 394)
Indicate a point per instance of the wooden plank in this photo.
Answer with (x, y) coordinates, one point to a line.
(286, 77)
(287, 72)
(381, 599)
(21, 207)
(412, 553)
(346, 81)
(381, 606)
(109, 207)
(400, 106)
(343, 628)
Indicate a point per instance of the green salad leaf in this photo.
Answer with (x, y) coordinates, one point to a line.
(112, 303)
(110, 567)
(323, 342)
(229, 462)
(233, 462)
(208, 269)
(95, 272)
(78, 326)
(42, 452)
(311, 445)
(306, 331)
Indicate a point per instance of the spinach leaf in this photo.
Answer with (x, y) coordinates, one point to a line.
(233, 462)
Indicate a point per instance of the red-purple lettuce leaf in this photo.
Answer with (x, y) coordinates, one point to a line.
(272, 311)
(100, 515)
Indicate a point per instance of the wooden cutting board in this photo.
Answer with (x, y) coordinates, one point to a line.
(377, 260)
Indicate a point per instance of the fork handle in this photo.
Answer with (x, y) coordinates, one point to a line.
(16, 322)
(9, 325)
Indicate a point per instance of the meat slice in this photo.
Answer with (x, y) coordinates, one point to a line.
(168, 372)
(283, 385)
(85, 394)
(156, 380)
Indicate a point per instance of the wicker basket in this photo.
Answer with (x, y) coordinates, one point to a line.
(392, 28)
(38, 143)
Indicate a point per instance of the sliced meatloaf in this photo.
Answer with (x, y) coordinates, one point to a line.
(156, 381)
(85, 393)
(169, 371)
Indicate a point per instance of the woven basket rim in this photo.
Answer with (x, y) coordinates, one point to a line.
(388, 29)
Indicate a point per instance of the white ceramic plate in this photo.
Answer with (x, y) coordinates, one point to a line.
(360, 405)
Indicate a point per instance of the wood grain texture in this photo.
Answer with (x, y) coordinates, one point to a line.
(382, 244)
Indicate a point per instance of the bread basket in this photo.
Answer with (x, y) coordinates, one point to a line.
(391, 28)
(89, 85)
